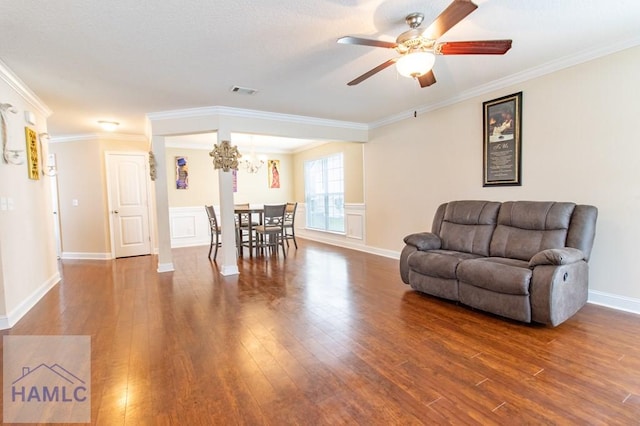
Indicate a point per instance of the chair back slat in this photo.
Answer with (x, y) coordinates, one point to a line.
(274, 215)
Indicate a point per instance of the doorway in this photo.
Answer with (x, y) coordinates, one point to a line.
(127, 189)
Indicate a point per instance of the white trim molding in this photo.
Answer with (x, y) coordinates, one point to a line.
(253, 114)
(19, 311)
(23, 90)
(165, 267)
(69, 255)
(621, 303)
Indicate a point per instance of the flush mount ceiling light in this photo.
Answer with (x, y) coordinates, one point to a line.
(243, 90)
(108, 126)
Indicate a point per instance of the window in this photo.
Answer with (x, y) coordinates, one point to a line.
(324, 193)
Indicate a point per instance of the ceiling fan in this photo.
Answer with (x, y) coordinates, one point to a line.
(418, 46)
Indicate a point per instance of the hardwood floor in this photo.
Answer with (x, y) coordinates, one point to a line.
(327, 336)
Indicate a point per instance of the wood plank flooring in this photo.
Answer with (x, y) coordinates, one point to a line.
(327, 336)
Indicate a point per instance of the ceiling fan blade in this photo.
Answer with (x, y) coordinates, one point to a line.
(371, 72)
(427, 79)
(367, 42)
(453, 14)
(480, 47)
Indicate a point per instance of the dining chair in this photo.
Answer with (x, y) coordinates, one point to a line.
(242, 226)
(271, 232)
(289, 221)
(214, 229)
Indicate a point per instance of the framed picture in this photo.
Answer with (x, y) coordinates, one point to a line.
(33, 164)
(274, 173)
(182, 173)
(502, 148)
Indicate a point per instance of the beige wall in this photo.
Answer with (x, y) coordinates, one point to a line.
(353, 168)
(580, 143)
(203, 181)
(28, 266)
(82, 177)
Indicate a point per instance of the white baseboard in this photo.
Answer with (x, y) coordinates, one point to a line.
(165, 267)
(175, 243)
(621, 303)
(68, 255)
(16, 314)
(226, 270)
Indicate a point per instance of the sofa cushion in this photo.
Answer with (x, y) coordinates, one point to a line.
(467, 226)
(501, 275)
(527, 227)
(438, 263)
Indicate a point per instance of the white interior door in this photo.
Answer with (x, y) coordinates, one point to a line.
(128, 204)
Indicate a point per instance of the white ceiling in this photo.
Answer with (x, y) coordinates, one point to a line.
(91, 60)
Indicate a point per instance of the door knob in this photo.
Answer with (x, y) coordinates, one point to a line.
(114, 211)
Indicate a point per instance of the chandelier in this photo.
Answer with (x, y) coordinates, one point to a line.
(252, 163)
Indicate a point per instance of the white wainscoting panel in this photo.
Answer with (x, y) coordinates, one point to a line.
(354, 221)
(189, 226)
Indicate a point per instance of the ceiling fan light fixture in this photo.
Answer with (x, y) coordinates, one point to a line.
(415, 64)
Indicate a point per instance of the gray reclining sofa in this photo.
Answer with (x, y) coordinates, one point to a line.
(524, 260)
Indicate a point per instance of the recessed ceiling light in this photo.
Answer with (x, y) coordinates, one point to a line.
(244, 90)
(108, 126)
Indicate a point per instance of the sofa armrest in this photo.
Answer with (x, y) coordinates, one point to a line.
(563, 256)
(423, 241)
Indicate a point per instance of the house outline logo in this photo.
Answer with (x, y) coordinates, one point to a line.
(46, 383)
(46, 379)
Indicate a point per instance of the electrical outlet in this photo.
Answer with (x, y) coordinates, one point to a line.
(3, 203)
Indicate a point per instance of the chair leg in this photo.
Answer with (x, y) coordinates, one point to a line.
(215, 254)
(280, 242)
(211, 245)
(293, 237)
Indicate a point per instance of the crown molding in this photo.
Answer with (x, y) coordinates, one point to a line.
(539, 71)
(254, 114)
(23, 90)
(99, 137)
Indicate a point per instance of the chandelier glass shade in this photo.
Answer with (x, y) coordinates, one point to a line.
(415, 64)
(251, 163)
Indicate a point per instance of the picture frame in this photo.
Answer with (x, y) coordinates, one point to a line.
(182, 172)
(502, 141)
(273, 176)
(33, 163)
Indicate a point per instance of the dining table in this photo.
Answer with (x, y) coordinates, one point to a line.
(243, 213)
